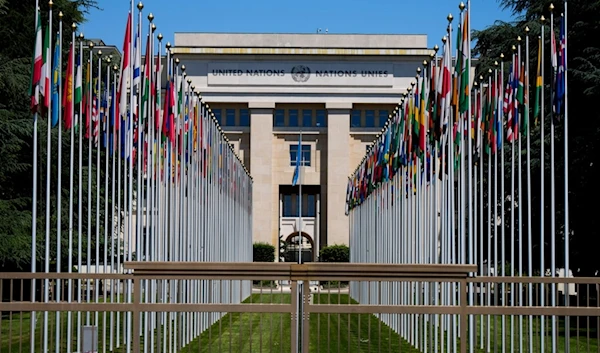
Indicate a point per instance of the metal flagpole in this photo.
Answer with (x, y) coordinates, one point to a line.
(71, 166)
(567, 233)
(106, 143)
(57, 296)
(34, 187)
(513, 101)
(529, 228)
(553, 268)
(88, 257)
(542, 190)
(113, 253)
(79, 118)
(96, 135)
(46, 287)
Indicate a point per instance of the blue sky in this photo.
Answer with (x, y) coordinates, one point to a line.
(285, 16)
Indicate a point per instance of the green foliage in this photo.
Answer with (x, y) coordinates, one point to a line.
(263, 252)
(335, 253)
(583, 26)
(16, 143)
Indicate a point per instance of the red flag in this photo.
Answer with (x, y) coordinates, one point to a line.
(67, 100)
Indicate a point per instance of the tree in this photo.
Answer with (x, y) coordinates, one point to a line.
(16, 127)
(584, 126)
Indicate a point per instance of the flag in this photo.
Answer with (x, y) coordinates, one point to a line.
(559, 90)
(538, 83)
(67, 101)
(125, 72)
(137, 51)
(45, 73)
(78, 89)
(298, 161)
(55, 81)
(36, 73)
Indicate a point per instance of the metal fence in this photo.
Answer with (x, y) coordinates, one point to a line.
(211, 307)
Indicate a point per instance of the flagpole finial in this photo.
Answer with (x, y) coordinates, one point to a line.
(140, 6)
(481, 78)
(50, 3)
(168, 45)
(189, 81)
(115, 68)
(495, 63)
(501, 55)
(192, 87)
(81, 36)
(519, 39)
(490, 71)
(432, 56)
(60, 15)
(73, 26)
(159, 37)
(425, 63)
(177, 61)
(182, 66)
(475, 84)
(461, 6)
(444, 39)
(153, 27)
(514, 48)
(108, 60)
(527, 29)
(542, 19)
(436, 48)
(450, 17)
(150, 17)
(551, 7)
(418, 71)
(99, 52)
(91, 45)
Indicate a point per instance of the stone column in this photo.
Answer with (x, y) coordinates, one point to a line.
(261, 153)
(338, 167)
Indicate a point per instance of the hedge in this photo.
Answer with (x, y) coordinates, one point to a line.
(263, 252)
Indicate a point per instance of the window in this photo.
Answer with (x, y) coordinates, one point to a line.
(304, 157)
(307, 118)
(244, 117)
(288, 206)
(321, 118)
(293, 117)
(355, 118)
(230, 117)
(383, 117)
(310, 210)
(279, 118)
(369, 118)
(217, 113)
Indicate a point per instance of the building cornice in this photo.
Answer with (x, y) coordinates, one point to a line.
(301, 51)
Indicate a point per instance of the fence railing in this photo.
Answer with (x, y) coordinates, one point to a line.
(241, 307)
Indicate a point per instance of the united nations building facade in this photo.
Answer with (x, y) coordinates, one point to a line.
(335, 90)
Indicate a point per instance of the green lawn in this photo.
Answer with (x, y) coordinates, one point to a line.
(255, 332)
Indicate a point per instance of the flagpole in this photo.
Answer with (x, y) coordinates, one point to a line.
(89, 179)
(35, 93)
(96, 133)
(553, 184)
(70, 87)
(80, 187)
(529, 228)
(46, 287)
(59, 182)
(512, 103)
(106, 143)
(129, 170)
(542, 189)
(566, 171)
(113, 253)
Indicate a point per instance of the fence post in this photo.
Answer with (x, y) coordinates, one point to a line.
(137, 299)
(294, 316)
(463, 315)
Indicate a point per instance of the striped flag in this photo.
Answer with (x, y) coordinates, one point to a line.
(37, 66)
(45, 72)
(67, 101)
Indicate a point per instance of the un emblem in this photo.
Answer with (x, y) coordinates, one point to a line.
(300, 73)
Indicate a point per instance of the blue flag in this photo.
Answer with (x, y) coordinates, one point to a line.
(55, 81)
(297, 169)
